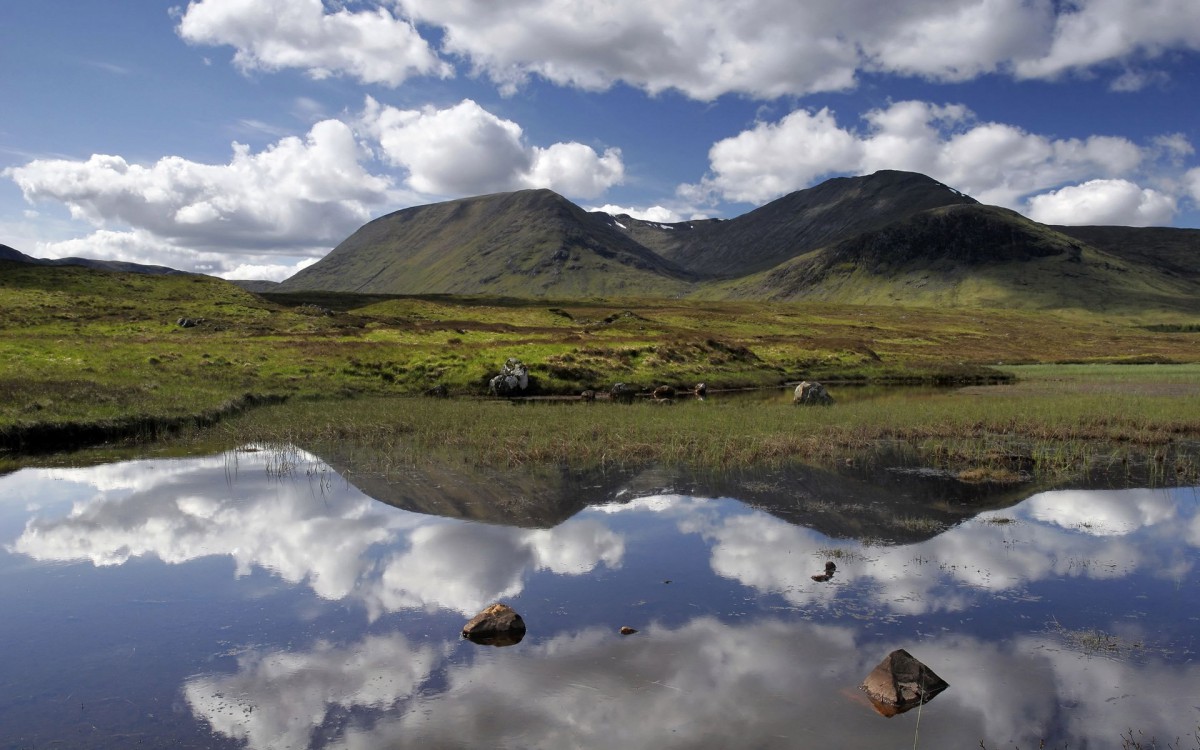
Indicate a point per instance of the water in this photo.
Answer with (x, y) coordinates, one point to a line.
(261, 599)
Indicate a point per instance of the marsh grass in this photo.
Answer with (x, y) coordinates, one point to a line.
(975, 439)
(88, 356)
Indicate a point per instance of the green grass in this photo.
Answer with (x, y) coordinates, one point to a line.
(86, 354)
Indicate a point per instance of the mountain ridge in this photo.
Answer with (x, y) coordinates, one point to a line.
(890, 237)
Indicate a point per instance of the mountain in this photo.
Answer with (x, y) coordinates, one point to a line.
(969, 254)
(9, 254)
(15, 256)
(527, 243)
(1173, 251)
(796, 223)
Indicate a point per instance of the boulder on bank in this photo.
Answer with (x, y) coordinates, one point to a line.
(621, 392)
(512, 380)
(812, 394)
(497, 625)
(663, 393)
(901, 682)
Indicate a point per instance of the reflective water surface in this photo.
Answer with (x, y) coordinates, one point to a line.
(270, 599)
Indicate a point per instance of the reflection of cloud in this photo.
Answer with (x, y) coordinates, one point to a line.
(464, 566)
(1100, 513)
(651, 503)
(773, 556)
(178, 511)
(277, 699)
(770, 684)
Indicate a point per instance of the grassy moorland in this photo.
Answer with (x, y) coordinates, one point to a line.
(87, 356)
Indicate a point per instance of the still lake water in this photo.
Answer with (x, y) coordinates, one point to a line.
(269, 599)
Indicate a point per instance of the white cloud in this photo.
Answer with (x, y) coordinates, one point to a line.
(1093, 32)
(1117, 202)
(298, 192)
(996, 163)
(266, 271)
(958, 41)
(652, 213)
(771, 48)
(371, 45)
(775, 158)
(1192, 183)
(466, 150)
(576, 169)
(703, 48)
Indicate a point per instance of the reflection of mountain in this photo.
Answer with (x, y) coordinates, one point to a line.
(529, 497)
(868, 502)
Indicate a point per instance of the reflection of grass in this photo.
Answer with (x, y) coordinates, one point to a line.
(919, 524)
(1090, 641)
(840, 553)
(998, 520)
(1136, 739)
(992, 474)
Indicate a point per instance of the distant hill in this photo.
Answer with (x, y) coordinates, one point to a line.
(527, 243)
(257, 286)
(9, 254)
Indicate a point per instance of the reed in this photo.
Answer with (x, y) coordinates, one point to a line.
(980, 438)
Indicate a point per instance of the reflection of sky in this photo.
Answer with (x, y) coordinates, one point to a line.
(705, 684)
(742, 647)
(326, 535)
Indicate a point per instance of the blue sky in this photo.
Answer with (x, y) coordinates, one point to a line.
(246, 138)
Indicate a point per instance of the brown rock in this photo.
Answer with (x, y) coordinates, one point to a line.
(626, 630)
(901, 682)
(498, 625)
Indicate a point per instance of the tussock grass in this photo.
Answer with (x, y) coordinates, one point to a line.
(88, 355)
(989, 439)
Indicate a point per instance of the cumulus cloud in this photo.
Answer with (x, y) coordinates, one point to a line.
(297, 192)
(1192, 183)
(466, 150)
(1103, 202)
(707, 49)
(994, 162)
(300, 196)
(372, 45)
(1091, 32)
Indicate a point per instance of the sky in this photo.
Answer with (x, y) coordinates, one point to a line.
(247, 138)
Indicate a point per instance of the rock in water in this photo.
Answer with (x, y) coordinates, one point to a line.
(812, 394)
(498, 625)
(901, 682)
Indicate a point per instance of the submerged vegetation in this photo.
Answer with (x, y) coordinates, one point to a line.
(88, 356)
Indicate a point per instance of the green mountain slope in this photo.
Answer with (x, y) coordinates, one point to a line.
(527, 243)
(889, 237)
(796, 223)
(968, 255)
(1173, 251)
